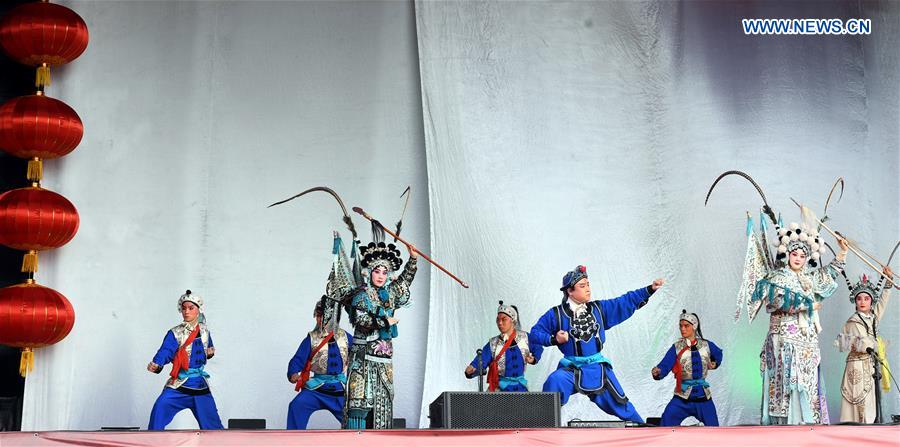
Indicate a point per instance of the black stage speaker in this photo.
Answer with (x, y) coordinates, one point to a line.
(460, 409)
(246, 424)
(400, 423)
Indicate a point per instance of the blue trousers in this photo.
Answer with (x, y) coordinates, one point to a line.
(562, 381)
(678, 410)
(308, 402)
(170, 402)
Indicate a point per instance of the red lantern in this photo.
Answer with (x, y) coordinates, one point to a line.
(36, 127)
(33, 316)
(34, 219)
(43, 34)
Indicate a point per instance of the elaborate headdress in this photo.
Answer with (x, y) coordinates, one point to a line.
(511, 311)
(866, 286)
(799, 237)
(571, 278)
(379, 254)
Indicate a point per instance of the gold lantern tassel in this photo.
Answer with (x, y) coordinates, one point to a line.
(26, 362)
(30, 262)
(35, 169)
(42, 78)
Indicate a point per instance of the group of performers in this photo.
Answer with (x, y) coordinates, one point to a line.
(351, 375)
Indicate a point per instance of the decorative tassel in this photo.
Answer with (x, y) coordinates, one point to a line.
(30, 262)
(885, 369)
(42, 79)
(26, 362)
(35, 169)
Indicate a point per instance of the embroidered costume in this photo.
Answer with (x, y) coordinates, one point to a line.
(860, 334)
(504, 356)
(321, 363)
(793, 387)
(690, 362)
(370, 391)
(584, 369)
(185, 346)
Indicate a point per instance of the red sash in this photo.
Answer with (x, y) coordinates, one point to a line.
(304, 376)
(181, 362)
(493, 378)
(676, 369)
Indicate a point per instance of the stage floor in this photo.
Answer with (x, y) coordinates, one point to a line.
(818, 436)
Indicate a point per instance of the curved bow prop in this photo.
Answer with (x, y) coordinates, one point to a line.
(890, 258)
(408, 193)
(766, 208)
(360, 211)
(854, 248)
(839, 181)
(340, 202)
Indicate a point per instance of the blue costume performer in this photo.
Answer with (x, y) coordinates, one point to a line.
(689, 360)
(187, 346)
(323, 353)
(578, 327)
(505, 355)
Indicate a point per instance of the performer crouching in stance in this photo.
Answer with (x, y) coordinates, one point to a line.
(689, 360)
(578, 327)
(187, 346)
(505, 355)
(323, 353)
(371, 379)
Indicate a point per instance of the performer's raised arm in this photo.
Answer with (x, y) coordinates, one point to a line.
(619, 309)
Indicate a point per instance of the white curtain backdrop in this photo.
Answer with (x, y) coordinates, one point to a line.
(554, 134)
(197, 116)
(566, 133)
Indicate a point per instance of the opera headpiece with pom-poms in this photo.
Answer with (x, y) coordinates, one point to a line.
(380, 255)
(799, 237)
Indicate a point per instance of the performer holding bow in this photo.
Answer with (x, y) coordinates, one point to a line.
(370, 397)
(578, 328)
(791, 287)
(860, 340)
(689, 360)
(187, 346)
(505, 355)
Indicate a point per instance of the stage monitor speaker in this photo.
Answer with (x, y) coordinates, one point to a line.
(458, 409)
(400, 423)
(246, 424)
